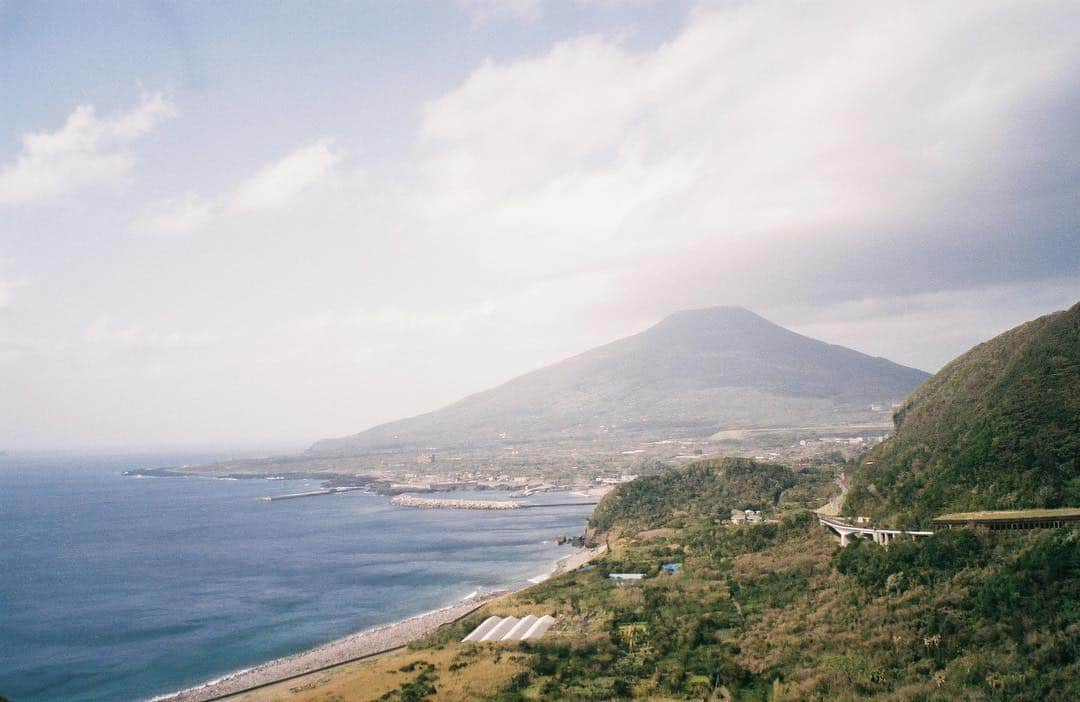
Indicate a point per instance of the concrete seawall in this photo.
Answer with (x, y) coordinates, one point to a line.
(312, 493)
(436, 503)
(444, 503)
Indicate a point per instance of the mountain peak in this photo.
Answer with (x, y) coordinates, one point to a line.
(720, 314)
(695, 372)
(723, 326)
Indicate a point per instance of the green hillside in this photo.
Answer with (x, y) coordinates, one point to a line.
(709, 488)
(694, 373)
(997, 428)
(777, 611)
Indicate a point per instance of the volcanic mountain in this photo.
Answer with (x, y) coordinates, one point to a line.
(997, 428)
(694, 373)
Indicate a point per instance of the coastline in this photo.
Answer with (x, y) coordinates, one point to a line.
(362, 644)
(567, 563)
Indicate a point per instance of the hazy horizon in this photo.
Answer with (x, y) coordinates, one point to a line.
(233, 449)
(243, 226)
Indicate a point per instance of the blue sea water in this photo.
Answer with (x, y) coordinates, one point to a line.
(118, 588)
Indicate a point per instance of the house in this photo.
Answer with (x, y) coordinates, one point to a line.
(740, 517)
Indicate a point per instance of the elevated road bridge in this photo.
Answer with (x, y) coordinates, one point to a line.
(880, 536)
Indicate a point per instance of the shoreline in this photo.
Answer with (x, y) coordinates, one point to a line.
(362, 644)
(566, 564)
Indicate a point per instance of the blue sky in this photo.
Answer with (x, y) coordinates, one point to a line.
(358, 68)
(253, 224)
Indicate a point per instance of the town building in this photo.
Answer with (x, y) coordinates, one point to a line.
(749, 516)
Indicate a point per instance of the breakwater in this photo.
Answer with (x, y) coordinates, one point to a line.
(312, 493)
(436, 503)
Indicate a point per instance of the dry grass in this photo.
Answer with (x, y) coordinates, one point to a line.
(651, 534)
(480, 671)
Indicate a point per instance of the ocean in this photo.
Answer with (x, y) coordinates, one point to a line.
(118, 588)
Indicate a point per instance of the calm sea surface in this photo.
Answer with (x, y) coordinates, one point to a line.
(115, 588)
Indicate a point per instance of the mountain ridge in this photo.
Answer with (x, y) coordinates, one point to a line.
(692, 373)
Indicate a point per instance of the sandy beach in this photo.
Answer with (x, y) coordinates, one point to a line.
(361, 644)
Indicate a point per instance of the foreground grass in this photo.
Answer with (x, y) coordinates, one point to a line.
(444, 672)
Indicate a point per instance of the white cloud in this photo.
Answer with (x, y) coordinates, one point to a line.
(6, 288)
(274, 187)
(176, 216)
(279, 184)
(86, 151)
(8, 285)
(393, 321)
(105, 336)
(755, 129)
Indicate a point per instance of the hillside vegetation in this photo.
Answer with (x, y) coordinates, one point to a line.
(692, 374)
(777, 611)
(774, 611)
(706, 489)
(997, 428)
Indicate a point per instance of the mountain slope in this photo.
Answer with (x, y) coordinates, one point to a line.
(997, 428)
(693, 373)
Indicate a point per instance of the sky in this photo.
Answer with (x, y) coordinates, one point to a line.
(257, 224)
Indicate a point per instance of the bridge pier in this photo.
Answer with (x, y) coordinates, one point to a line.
(883, 537)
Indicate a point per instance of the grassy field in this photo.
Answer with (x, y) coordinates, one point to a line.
(450, 672)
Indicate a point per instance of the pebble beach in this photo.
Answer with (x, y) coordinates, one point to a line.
(362, 644)
(359, 645)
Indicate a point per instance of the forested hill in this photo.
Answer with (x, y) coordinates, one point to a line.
(997, 428)
(692, 374)
(705, 489)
